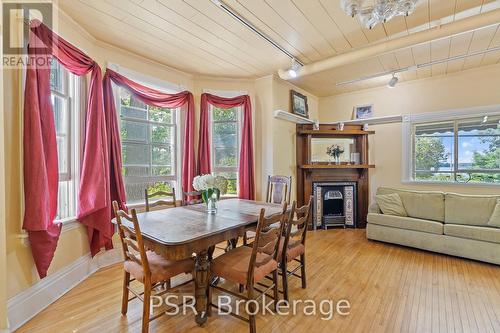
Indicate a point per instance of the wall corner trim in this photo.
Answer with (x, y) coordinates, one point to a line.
(28, 303)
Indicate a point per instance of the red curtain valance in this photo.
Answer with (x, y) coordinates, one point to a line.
(245, 170)
(157, 98)
(40, 148)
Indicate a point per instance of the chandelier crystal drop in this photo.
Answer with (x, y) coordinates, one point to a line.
(372, 12)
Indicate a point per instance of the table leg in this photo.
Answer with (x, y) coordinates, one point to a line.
(202, 266)
(232, 243)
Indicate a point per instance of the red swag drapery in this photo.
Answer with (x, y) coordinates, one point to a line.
(40, 147)
(245, 171)
(157, 98)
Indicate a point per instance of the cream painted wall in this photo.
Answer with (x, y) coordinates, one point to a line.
(476, 87)
(3, 243)
(278, 136)
(274, 153)
(284, 132)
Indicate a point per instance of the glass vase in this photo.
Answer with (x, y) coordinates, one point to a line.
(212, 204)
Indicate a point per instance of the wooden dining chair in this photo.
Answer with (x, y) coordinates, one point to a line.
(160, 202)
(279, 190)
(191, 198)
(146, 267)
(293, 245)
(249, 266)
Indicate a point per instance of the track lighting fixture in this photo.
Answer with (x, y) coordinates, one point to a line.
(393, 81)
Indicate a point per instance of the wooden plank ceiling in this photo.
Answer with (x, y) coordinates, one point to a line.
(198, 37)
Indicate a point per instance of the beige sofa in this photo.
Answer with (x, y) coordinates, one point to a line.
(448, 223)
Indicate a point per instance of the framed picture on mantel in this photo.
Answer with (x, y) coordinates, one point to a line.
(298, 104)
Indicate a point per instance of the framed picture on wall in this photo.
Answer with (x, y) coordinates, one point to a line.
(298, 104)
(363, 111)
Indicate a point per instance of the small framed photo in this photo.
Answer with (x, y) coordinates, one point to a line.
(299, 104)
(363, 111)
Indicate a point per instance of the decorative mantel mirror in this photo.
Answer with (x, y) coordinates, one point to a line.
(320, 147)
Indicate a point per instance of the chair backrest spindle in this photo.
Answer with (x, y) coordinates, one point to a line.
(299, 218)
(131, 239)
(267, 239)
(160, 202)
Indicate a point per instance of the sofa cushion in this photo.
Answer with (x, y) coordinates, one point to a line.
(485, 234)
(427, 205)
(469, 209)
(494, 220)
(391, 204)
(408, 223)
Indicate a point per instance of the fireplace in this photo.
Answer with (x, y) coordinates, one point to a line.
(339, 190)
(334, 204)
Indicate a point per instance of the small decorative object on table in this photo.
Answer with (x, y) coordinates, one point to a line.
(335, 151)
(211, 187)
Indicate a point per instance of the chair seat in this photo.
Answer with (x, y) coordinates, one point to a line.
(295, 249)
(233, 265)
(161, 268)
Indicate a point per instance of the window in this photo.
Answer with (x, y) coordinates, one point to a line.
(149, 146)
(65, 97)
(462, 150)
(225, 138)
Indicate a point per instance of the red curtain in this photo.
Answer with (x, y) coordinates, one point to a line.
(204, 157)
(40, 147)
(245, 172)
(161, 99)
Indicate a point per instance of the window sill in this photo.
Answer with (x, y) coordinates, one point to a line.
(415, 182)
(68, 224)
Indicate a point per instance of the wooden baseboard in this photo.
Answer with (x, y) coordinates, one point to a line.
(25, 305)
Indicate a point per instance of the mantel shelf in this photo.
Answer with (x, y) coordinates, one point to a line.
(334, 132)
(337, 166)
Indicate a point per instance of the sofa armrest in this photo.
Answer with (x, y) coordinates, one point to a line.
(374, 208)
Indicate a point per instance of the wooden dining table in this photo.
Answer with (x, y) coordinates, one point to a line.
(181, 232)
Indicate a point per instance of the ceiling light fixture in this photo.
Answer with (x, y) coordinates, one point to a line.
(393, 81)
(377, 11)
(246, 23)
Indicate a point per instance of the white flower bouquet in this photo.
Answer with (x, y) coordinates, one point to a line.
(210, 186)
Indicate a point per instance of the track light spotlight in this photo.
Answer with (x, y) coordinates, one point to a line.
(294, 68)
(393, 81)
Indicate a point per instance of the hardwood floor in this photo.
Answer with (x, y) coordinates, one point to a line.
(390, 289)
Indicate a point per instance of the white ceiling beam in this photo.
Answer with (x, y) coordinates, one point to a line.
(443, 31)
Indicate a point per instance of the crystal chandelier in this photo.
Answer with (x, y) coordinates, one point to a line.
(372, 12)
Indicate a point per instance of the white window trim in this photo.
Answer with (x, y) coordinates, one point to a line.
(75, 86)
(448, 115)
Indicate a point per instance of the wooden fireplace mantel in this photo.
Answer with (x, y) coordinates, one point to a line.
(334, 166)
(309, 173)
